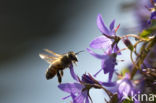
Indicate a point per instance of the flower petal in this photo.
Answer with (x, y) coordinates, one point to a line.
(110, 76)
(108, 84)
(153, 15)
(124, 87)
(101, 42)
(71, 87)
(73, 73)
(97, 72)
(104, 66)
(108, 63)
(101, 25)
(95, 54)
(87, 79)
(111, 26)
(87, 99)
(66, 97)
(108, 51)
(116, 49)
(73, 96)
(79, 99)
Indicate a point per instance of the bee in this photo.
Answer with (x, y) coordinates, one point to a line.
(58, 62)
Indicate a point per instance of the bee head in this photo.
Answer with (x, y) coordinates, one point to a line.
(72, 56)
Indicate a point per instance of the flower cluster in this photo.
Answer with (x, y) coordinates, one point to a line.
(140, 75)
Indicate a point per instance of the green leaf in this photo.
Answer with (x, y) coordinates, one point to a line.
(145, 33)
(127, 101)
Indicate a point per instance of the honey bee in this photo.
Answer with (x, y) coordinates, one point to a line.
(58, 62)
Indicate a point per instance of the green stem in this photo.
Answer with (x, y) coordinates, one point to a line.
(145, 49)
(131, 56)
(135, 36)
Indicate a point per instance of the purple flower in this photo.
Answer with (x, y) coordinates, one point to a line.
(88, 79)
(109, 32)
(101, 42)
(76, 92)
(126, 88)
(146, 12)
(74, 76)
(124, 85)
(80, 91)
(109, 35)
(141, 15)
(108, 60)
(153, 15)
(107, 42)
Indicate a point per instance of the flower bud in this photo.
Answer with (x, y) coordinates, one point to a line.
(128, 44)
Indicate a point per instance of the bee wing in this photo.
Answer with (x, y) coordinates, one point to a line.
(51, 52)
(47, 58)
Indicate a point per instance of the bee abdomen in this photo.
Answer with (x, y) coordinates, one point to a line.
(51, 72)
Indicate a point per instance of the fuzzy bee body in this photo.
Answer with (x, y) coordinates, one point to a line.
(57, 66)
(58, 63)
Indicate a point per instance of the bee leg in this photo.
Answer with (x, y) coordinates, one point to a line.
(59, 77)
(61, 72)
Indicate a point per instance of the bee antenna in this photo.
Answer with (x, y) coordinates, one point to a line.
(79, 52)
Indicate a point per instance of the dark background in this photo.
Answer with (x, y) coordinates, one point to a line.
(23, 22)
(29, 26)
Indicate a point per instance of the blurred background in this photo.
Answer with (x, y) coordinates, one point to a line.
(29, 26)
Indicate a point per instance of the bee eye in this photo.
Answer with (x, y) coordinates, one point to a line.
(73, 57)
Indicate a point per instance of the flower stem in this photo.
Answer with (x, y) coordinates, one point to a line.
(131, 56)
(135, 36)
(108, 92)
(145, 49)
(135, 46)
